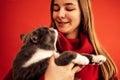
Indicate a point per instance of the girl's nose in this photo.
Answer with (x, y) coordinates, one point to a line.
(61, 13)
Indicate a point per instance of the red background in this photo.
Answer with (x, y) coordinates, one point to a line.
(21, 16)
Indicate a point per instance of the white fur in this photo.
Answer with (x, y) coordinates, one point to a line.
(99, 59)
(39, 55)
(81, 60)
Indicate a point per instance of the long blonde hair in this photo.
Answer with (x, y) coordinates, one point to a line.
(108, 69)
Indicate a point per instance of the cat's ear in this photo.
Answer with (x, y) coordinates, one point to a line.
(34, 37)
(22, 36)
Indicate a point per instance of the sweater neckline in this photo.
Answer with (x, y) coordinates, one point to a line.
(76, 43)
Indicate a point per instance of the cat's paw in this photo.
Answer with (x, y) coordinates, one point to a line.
(98, 59)
(81, 60)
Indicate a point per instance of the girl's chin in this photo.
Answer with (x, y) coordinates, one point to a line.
(63, 31)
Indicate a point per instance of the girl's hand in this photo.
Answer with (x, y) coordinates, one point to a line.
(55, 72)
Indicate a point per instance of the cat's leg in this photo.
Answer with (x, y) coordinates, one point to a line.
(95, 59)
(69, 56)
(98, 59)
(81, 60)
(64, 58)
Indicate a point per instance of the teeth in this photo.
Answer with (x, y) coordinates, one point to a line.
(63, 22)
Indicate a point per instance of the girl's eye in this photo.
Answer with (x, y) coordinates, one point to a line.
(70, 9)
(56, 8)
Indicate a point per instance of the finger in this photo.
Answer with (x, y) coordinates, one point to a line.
(76, 69)
(52, 60)
(70, 66)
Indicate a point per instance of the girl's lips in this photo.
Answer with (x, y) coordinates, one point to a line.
(62, 23)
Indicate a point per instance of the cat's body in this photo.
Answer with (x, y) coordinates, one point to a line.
(32, 59)
(38, 46)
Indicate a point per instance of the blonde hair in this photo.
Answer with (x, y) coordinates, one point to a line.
(108, 69)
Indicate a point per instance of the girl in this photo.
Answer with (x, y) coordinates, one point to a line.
(74, 21)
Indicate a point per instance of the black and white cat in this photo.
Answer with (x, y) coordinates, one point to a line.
(38, 46)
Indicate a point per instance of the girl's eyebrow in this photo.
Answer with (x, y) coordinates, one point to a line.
(55, 4)
(69, 4)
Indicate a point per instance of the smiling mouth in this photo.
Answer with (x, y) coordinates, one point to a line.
(63, 22)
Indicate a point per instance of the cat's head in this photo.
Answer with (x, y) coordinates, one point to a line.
(43, 37)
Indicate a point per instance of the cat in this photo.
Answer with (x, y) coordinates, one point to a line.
(38, 46)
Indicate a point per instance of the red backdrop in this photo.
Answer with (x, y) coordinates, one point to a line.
(21, 16)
